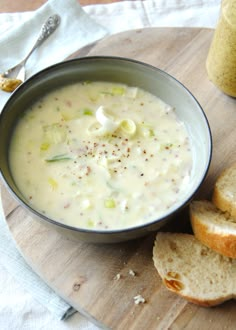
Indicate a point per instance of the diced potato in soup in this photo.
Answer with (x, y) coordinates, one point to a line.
(101, 155)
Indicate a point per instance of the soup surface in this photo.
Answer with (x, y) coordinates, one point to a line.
(101, 155)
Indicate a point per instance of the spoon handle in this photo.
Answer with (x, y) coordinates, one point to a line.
(47, 29)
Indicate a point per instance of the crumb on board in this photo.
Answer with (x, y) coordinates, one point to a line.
(131, 272)
(117, 277)
(139, 300)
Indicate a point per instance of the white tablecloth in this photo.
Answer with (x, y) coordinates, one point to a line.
(18, 310)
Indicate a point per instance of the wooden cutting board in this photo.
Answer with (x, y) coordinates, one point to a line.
(86, 274)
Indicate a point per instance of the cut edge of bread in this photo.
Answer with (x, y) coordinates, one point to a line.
(224, 192)
(213, 228)
(192, 270)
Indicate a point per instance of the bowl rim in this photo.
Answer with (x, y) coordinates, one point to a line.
(125, 229)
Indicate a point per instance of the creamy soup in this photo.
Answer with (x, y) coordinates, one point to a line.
(101, 155)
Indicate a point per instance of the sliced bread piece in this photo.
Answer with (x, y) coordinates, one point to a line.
(224, 193)
(213, 227)
(192, 270)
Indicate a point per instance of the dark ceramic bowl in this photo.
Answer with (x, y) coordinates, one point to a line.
(120, 70)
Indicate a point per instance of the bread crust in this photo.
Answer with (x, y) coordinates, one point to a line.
(222, 202)
(206, 303)
(224, 244)
(219, 198)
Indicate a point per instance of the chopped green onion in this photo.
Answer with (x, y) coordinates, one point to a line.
(58, 158)
(86, 82)
(66, 116)
(90, 223)
(151, 132)
(29, 116)
(53, 183)
(118, 90)
(110, 203)
(54, 133)
(114, 91)
(128, 126)
(87, 112)
(44, 146)
(106, 93)
(147, 130)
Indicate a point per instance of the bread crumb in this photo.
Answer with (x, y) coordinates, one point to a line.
(132, 273)
(139, 300)
(117, 277)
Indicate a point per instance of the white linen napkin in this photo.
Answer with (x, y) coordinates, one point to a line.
(18, 268)
(156, 13)
(76, 30)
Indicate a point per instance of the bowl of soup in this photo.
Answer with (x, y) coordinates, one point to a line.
(104, 149)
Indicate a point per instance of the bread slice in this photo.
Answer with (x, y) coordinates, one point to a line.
(213, 227)
(192, 270)
(224, 193)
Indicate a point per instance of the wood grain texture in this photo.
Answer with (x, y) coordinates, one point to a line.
(85, 274)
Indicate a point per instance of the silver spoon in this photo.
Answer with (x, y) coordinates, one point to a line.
(18, 71)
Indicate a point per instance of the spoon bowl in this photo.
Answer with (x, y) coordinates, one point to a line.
(18, 72)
